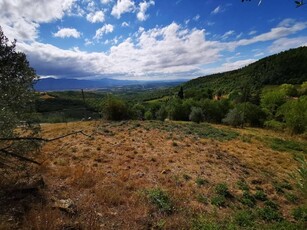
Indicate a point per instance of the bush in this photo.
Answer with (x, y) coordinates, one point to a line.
(218, 201)
(244, 218)
(222, 189)
(275, 125)
(114, 109)
(300, 213)
(234, 118)
(148, 115)
(161, 200)
(196, 115)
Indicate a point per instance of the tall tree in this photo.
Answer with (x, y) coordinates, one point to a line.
(16, 103)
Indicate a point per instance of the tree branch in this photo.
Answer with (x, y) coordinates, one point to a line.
(42, 139)
(19, 157)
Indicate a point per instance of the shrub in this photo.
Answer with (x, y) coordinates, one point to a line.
(243, 185)
(222, 189)
(218, 201)
(269, 214)
(300, 213)
(234, 118)
(161, 200)
(114, 108)
(260, 195)
(148, 115)
(244, 218)
(200, 181)
(196, 115)
(247, 199)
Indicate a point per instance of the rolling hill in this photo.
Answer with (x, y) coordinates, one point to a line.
(286, 67)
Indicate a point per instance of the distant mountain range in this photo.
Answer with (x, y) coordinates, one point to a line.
(52, 84)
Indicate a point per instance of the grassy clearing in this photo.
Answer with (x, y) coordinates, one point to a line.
(166, 175)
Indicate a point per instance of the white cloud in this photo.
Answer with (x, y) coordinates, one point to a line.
(143, 7)
(67, 32)
(94, 17)
(287, 43)
(252, 32)
(228, 34)
(228, 66)
(121, 7)
(108, 28)
(21, 19)
(217, 10)
(105, 1)
(125, 24)
(196, 18)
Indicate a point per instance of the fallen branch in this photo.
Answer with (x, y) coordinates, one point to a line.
(42, 139)
(19, 157)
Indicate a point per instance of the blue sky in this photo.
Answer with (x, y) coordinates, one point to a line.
(150, 39)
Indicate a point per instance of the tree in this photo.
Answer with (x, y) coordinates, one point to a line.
(114, 108)
(180, 93)
(196, 115)
(16, 103)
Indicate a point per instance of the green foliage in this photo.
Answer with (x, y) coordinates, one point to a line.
(289, 90)
(235, 118)
(303, 88)
(243, 185)
(269, 214)
(196, 115)
(294, 113)
(287, 145)
(138, 111)
(200, 181)
(291, 198)
(247, 199)
(114, 108)
(260, 195)
(202, 199)
(161, 114)
(301, 175)
(148, 115)
(271, 100)
(300, 213)
(161, 200)
(275, 125)
(16, 100)
(244, 218)
(222, 189)
(218, 200)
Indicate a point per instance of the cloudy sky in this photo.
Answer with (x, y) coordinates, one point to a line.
(150, 39)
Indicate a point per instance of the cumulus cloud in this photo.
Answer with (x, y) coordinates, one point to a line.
(67, 32)
(121, 7)
(94, 17)
(108, 28)
(19, 15)
(171, 51)
(143, 7)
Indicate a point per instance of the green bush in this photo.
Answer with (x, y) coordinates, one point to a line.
(234, 117)
(148, 115)
(222, 189)
(218, 200)
(196, 115)
(114, 108)
(244, 218)
(300, 213)
(161, 200)
(260, 195)
(269, 214)
(248, 200)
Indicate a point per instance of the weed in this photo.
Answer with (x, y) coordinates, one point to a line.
(222, 190)
(200, 181)
(291, 197)
(202, 199)
(218, 200)
(287, 145)
(186, 177)
(161, 200)
(271, 204)
(300, 213)
(248, 200)
(260, 195)
(269, 214)
(243, 185)
(244, 218)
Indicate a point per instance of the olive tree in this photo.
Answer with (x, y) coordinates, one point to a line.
(16, 103)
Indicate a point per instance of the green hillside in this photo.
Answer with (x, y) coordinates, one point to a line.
(286, 67)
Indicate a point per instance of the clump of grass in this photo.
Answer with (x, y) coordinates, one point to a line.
(244, 218)
(200, 181)
(271, 204)
(287, 145)
(202, 199)
(300, 213)
(248, 200)
(222, 190)
(269, 214)
(291, 198)
(260, 195)
(186, 177)
(218, 200)
(243, 185)
(161, 200)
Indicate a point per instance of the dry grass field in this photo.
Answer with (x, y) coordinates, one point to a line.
(163, 175)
